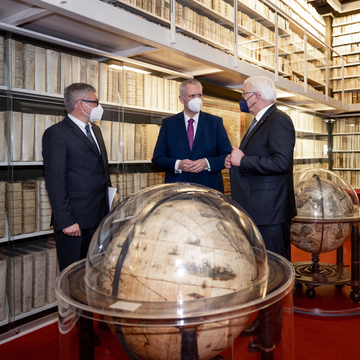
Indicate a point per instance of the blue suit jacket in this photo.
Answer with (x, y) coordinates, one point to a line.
(211, 142)
(263, 184)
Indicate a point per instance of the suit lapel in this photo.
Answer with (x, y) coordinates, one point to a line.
(182, 131)
(78, 132)
(246, 137)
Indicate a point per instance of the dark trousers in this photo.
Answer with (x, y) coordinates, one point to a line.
(72, 248)
(277, 239)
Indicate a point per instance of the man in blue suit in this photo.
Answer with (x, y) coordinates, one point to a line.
(192, 145)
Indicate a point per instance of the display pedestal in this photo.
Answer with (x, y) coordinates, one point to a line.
(314, 274)
(76, 341)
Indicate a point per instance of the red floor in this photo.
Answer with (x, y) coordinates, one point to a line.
(315, 337)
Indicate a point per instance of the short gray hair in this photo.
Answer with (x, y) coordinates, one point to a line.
(263, 85)
(188, 81)
(75, 92)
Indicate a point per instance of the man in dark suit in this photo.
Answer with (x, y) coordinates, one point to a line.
(192, 145)
(76, 173)
(262, 174)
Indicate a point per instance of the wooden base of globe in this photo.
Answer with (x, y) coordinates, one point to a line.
(327, 274)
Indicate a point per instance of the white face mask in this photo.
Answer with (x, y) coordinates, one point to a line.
(195, 104)
(96, 112)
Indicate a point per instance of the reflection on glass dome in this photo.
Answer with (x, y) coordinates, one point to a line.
(178, 251)
(329, 203)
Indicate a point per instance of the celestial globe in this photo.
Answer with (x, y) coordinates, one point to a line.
(184, 253)
(328, 202)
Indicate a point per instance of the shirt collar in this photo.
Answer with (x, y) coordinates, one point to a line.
(187, 118)
(260, 114)
(78, 122)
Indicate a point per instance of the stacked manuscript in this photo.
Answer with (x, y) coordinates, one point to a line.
(13, 282)
(51, 270)
(2, 208)
(39, 275)
(28, 206)
(43, 207)
(26, 277)
(3, 271)
(14, 204)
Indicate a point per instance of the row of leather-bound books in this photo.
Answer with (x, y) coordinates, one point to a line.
(346, 125)
(350, 97)
(346, 160)
(351, 176)
(346, 142)
(22, 133)
(310, 148)
(49, 71)
(27, 277)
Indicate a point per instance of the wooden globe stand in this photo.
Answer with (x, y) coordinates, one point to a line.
(315, 273)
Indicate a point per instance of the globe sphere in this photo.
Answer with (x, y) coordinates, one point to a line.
(328, 203)
(182, 251)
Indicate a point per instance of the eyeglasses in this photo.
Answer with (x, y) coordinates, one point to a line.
(92, 101)
(249, 92)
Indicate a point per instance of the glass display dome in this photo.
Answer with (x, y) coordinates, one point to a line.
(326, 205)
(174, 264)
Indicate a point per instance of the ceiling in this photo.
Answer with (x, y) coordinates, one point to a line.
(48, 19)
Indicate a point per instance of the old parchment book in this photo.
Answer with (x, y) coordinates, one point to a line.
(76, 69)
(49, 120)
(39, 131)
(13, 283)
(138, 131)
(26, 278)
(144, 141)
(130, 141)
(152, 135)
(115, 141)
(40, 69)
(123, 142)
(2, 136)
(13, 134)
(154, 92)
(105, 127)
(14, 56)
(103, 77)
(93, 74)
(130, 88)
(115, 87)
(28, 132)
(110, 74)
(52, 61)
(1, 67)
(83, 71)
(147, 90)
(160, 104)
(166, 94)
(29, 66)
(39, 275)
(136, 182)
(139, 89)
(3, 268)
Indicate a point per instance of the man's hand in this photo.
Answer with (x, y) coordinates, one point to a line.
(73, 230)
(198, 166)
(227, 163)
(193, 166)
(236, 156)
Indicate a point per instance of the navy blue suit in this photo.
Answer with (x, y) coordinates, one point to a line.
(77, 180)
(210, 142)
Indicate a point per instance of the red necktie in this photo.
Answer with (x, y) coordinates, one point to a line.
(190, 132)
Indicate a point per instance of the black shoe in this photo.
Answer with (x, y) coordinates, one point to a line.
(252, 329)
(254, 346)
(96, 340)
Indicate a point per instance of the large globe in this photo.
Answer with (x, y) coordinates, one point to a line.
(187, 247)
(328, 203)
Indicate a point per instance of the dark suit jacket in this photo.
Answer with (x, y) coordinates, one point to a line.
(211, 142)
(263, 184)
(76, 175)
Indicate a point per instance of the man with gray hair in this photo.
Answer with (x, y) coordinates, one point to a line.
(262, 177)
(192, 145)
(76, 173)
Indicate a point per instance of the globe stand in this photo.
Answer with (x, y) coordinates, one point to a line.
(314, 273)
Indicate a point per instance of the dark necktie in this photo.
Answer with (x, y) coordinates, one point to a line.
(251, 126)
(88, 133)
(190, 132)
